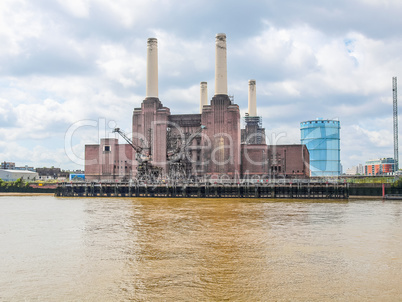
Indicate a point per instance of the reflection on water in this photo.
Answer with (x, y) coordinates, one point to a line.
(203, 249)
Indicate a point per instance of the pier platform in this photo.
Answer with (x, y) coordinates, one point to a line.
(206, 190)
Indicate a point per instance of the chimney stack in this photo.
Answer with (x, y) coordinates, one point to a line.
(204, 95)
(221, 82)
(252, 98)
(152, 68)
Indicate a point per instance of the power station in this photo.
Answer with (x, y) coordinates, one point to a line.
(208, 145)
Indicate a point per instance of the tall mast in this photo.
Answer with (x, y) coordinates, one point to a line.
(395, 115)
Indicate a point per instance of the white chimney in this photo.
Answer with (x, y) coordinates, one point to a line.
(204, 95)
(221, 81)
(152, 68)
(252, 98)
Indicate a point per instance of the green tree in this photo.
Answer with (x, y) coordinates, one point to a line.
(397, 183)
(18, 183)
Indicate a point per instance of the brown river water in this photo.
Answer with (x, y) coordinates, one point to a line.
(121, 249)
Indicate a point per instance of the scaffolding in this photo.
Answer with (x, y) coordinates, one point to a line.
(257, 120)
(254, 132)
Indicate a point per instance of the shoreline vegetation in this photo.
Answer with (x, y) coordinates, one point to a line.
(21, 187)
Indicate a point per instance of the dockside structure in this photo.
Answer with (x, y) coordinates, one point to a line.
(207, 190)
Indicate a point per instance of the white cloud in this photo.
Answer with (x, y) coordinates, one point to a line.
(121, 65)
(7, 117)
(186, 99)
(38, 156)
(18, 23)
(382, 3)
(380, 138)
(360, 70)
(78, 8)
(359, 145)
(317, 65)
(179, 56)
(132, 12)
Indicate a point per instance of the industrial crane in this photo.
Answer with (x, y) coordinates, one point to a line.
(179, 165)
(145, 170)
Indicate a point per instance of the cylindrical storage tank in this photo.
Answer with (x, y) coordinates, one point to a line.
(322, 139)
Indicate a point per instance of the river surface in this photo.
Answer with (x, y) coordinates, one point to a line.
(121, 249)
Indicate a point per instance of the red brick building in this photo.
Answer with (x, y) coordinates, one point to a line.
(380, 166)
(211, 143)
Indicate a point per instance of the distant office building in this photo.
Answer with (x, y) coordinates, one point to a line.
(351, 171)
(380, 166)
(360, 169)
(355, 170)
(7, 165)
(323, 142)
(26, 168)
(11, 166)
(51, 173)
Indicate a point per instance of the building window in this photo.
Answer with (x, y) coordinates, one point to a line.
(107, 148)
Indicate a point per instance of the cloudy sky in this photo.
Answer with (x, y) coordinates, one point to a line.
(72, 70)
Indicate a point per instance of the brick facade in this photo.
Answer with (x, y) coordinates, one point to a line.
(216, 151)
